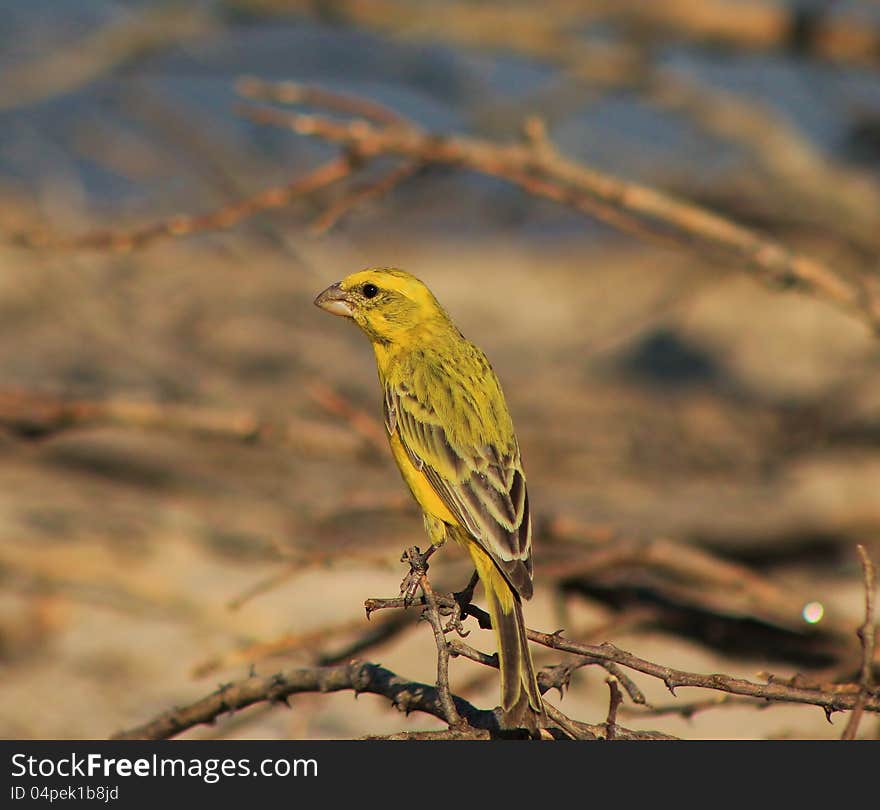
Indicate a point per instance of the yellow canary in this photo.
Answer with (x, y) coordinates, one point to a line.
(453, 440)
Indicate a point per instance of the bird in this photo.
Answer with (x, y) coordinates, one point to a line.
(452, 437)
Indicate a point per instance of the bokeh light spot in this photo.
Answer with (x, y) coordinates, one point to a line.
(813, 612)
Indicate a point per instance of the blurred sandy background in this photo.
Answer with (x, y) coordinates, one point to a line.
(657, 393)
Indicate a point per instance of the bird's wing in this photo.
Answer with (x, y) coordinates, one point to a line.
(482, 484)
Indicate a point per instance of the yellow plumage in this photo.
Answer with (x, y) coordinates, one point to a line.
(453, 440)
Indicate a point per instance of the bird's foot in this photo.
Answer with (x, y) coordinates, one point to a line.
(418, 568)
(459, 611)
(456, 621)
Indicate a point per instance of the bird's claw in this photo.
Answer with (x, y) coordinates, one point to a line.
(418, 568)
(459, 611)
(456, 621)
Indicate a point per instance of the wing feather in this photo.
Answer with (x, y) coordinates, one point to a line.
(482, 484)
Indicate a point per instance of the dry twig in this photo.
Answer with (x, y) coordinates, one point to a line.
(825, 696)
(614, 701)
(534, 165)
(801, 175)
(186, 225)
(690, 708)
(465, 720)
(432, 613)
(544, 172)
(830, 701)
(356, 676)
(369, 191)
(294, 93)
(867, 636)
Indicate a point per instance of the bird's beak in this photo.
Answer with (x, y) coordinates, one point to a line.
(335, 301)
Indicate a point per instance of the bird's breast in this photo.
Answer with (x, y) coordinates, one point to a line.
(418, 483)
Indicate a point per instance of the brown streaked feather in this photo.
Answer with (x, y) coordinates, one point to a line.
(482, 485)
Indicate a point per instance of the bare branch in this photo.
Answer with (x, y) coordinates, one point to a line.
(614, 701)
(446, 734)
(187, 225)
(589, 731)
(432, 613)
(370, 191)
(687, 709)
(356, 676)
(829, 698)
(628, 63)
(289, 92)
(536, 167)
(473, 723)
(673, 678)
(546, 173)
(868, 631)
(867, 636)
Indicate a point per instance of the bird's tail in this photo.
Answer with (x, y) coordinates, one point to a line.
(521, 705)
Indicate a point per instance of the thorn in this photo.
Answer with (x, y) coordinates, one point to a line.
(828, 712)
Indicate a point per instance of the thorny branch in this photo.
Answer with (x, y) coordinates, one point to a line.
(867, 636)
(432, 613)
(555, 677)
(357, 676)
(467, 722)
(829, 699)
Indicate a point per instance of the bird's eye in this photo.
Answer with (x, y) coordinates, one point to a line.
(370, 290)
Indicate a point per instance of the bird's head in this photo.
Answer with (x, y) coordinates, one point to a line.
(386, 303)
